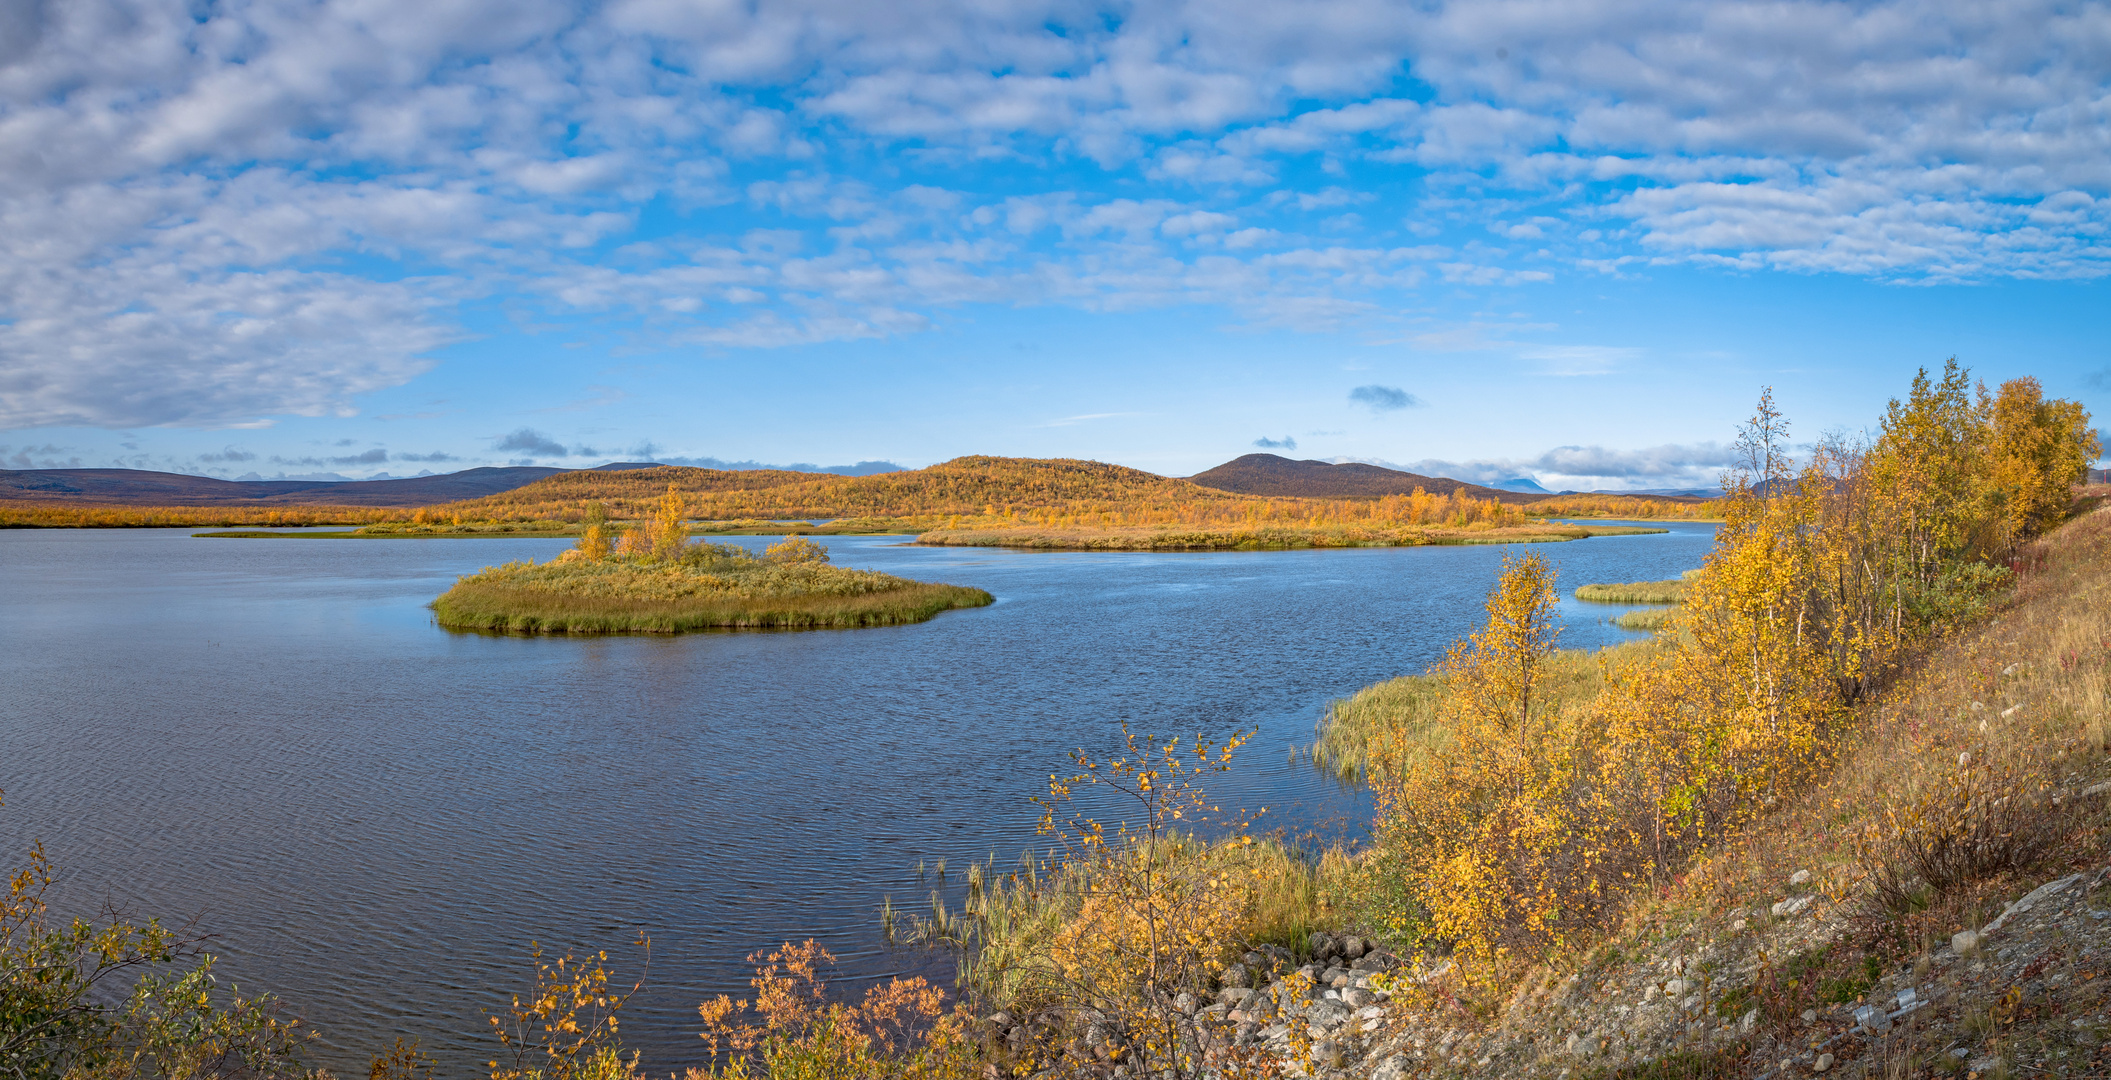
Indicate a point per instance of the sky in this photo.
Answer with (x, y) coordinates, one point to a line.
(1563, 240)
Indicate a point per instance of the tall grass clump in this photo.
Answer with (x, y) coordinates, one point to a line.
(1635, 592)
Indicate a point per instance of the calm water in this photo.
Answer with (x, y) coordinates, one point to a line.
(375, 816)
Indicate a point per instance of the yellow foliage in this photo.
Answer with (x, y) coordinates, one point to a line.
(899, 1031)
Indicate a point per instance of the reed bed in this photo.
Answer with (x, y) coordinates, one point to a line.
(1635, 592)
(1648, 619)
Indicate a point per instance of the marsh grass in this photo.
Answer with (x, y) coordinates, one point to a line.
(715, 587)
(1387, 722)
(1647, 619)
(1635, 592)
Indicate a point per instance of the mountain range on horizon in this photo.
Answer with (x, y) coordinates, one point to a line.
(1252, 474)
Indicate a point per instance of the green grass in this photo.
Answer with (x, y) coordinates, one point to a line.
(712, 587)
(1635, 592)
(1650, 619)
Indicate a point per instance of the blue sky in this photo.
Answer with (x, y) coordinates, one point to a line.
(1567, 240)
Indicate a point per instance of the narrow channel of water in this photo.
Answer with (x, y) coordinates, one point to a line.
(376, 816)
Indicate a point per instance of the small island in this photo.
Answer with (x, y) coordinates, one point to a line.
(655, 581)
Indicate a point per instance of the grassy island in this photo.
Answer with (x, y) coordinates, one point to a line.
(1636, 592)
(658, 582)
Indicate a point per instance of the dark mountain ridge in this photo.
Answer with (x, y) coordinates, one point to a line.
(141, 487)
(1272, 475)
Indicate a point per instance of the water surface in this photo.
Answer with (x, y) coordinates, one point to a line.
(376, 816)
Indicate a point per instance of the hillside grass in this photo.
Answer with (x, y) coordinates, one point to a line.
(718, 590)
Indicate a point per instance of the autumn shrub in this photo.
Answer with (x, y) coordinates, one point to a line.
(1493, 834)
(1508, 829)
(899, 1030)
(1126, 926)
(1991, 814)
(118, 999)
(566, 1026)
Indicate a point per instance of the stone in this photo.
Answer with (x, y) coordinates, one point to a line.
(1184, 1002)
(1800, 877)
(1235, 975)
(1823, 1063)
(1353, 947)
(1392, 1068)
(1320, 945)
(1674, 988)
(1790, 907)
(1357, 997)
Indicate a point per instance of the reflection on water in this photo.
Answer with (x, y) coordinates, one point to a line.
(376, 816)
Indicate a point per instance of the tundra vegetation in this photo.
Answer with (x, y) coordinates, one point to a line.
(651, 578)
(1004, 502)
(979, 500)
(1889, 675)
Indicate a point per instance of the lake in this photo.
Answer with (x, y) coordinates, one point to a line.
(375, 816)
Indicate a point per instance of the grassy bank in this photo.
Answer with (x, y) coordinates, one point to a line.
(711, 587)
(1261, 539)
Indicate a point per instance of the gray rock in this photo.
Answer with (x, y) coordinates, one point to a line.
(1353, 947)
(1235, 975)
(1320, 945)
(1357, 997)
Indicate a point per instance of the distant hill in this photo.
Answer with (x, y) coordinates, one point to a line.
(1524, 484)
(140, 487)
(1271, 475)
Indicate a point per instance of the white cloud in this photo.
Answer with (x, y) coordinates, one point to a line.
(1589, 468)
(196, 198)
